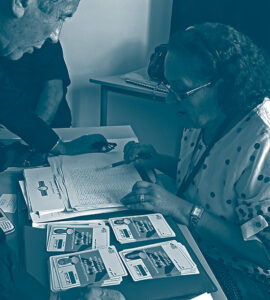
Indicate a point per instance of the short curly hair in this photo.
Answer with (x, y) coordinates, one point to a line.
(232, 56)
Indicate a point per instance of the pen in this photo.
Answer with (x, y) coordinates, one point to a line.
(125, 162)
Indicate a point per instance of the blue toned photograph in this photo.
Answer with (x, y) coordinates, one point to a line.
(134, 149)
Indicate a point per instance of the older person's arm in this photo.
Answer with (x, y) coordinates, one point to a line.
(50, 98)
(228, 236)
(223, 234)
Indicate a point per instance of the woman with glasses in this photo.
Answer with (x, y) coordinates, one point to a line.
(221, 82)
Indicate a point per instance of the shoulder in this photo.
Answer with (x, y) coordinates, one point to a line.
(48, 49)
(263, 111)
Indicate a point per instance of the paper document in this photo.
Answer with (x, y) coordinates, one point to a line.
(8, 203)
(42, 191)
(204, 296)
(88, 184)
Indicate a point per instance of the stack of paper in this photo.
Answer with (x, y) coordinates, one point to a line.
(78, 185)
(101, 267)
(93, 261)
(140, 228)
(159, 260)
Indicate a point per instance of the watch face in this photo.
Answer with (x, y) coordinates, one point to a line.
(197, 212)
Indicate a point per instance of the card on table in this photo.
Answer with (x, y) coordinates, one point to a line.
(55, 284)
(97, 267)
(83, 223)
(139, 228)
(158, 260)
(72, 238)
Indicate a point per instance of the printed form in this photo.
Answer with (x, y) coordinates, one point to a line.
(87, 181)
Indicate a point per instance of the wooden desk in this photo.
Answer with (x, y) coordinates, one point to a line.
(117, 84)
(8, 184)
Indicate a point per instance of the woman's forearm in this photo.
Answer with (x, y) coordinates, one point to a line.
(166, 164)
(226, 235)
(221, 233)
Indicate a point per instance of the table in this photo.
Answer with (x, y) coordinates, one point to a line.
(117, 84)
(8, 184)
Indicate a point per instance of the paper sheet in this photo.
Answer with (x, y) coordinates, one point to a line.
(42, 191)
(8, 203)
(97, 188)
(204, 296)
(89, 185)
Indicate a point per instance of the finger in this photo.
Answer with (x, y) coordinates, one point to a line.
(141, 191)
(136, 198)
(142, 184)
(132, 152)
(128, 145)
(142, 206)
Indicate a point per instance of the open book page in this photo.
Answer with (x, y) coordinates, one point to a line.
(42, 192)
(89, 184)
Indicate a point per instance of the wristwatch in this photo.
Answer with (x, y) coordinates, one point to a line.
(195, 215)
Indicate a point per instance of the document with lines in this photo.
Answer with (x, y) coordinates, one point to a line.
(86, 183)
(79, 185)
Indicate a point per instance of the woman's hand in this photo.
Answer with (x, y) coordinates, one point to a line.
(152, 197)
(143, 155)
(84, 144)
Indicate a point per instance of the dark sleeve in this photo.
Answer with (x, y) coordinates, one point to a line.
(50, 64)
(21, 121)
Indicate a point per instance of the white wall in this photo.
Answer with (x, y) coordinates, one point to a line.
(107, 37)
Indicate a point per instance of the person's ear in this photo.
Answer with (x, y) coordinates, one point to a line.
(18, 7)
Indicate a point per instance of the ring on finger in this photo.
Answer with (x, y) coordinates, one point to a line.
(141, 198)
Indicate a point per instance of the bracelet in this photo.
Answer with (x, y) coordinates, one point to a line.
(195, 215)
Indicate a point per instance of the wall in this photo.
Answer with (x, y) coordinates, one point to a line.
(107, 37)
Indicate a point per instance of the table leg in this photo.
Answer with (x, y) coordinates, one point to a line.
(103, 105)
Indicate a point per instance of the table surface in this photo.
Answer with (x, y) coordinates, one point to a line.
(118, 82)
(9, 185)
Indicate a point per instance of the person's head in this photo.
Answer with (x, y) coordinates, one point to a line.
(232, 75)
(27, 24)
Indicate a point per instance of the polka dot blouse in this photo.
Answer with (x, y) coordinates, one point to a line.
(234, 181)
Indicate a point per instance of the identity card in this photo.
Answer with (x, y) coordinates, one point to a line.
(139, 228)
(72, 238)
(96, 267)
(159, 260)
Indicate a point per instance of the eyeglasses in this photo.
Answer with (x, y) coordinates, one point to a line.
(183, 95)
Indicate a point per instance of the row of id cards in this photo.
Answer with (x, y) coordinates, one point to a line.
(87, 258)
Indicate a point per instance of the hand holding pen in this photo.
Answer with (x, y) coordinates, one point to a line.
(142, 155)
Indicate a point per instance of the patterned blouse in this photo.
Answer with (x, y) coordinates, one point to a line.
(234, 182)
